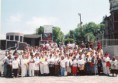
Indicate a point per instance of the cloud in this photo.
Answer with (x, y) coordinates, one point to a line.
(15, 18)
(35, 22)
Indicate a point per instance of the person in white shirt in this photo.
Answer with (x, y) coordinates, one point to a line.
(114, 66)
(42, 60)
(9, 66)
(108, 64)
(15, 66)
(24, 66)
(74, 66)
(69, 64)
(63, 65)
(51, 64)
(81, 64)
(31, 65)
(36, 60)
(46, 67)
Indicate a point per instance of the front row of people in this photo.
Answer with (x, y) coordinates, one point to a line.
(54, 66)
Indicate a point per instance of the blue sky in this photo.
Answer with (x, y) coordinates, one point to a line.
(27, 15)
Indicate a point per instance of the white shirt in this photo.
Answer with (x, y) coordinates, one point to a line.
(15, 64)
(74, 63)
(63, 63)
(81, 62)
(51, 60)
(36, 59)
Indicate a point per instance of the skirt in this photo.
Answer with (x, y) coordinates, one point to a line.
(74, 70)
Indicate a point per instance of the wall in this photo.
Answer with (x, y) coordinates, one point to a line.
(112, 50)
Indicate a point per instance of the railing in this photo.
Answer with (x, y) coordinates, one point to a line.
(108, 42)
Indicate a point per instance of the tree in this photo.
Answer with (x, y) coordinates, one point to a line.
(86, 32)
(58, 35)
(40, 30)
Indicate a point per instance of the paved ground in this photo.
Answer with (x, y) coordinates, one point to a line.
(70, 79)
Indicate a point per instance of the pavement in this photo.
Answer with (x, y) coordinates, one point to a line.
(66, 79)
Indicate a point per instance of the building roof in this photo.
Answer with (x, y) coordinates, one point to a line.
(32, 36)
(15, 33)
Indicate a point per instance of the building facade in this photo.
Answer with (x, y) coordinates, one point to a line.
(16, 40)
(111, 22)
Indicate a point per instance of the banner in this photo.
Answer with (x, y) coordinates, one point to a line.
(48, 28)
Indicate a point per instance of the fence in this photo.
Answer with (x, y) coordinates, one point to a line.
(108, 42)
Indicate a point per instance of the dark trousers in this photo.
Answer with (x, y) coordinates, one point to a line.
(5, 70)
(57, 69)
(88, 68)
(15, 72)
(99, 70)
(9, 71)
(51, 69)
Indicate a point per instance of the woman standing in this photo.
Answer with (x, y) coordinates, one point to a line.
(46, 67)
(69, 64)
(57, 66)
(24, 65)
(36, 60)
(31, 65)
(74, 66)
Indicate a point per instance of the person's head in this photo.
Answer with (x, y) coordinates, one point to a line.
(9, 56)
(15, 57)
(45, 59)
(113, 59)
(80, 57)
(106, 54)
(37, 54)
(62, 57)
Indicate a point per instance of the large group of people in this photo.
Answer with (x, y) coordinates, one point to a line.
(51, 59)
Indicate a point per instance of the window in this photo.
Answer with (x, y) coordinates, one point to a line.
(16, 38)
(11, 37)
(21, 39)
(7, 37)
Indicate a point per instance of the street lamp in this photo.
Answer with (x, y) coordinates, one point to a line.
(80, 19)
(80, 25)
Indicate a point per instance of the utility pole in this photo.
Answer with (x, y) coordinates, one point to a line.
(80, 19)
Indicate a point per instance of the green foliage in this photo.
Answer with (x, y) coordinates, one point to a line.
(68, 40)
(40, 30)
(58, 35)
(87, 32)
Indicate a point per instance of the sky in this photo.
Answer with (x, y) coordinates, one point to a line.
(26, 16)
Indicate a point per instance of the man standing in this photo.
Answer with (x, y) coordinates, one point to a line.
(62, 65)
(9, 66)
(15, 66)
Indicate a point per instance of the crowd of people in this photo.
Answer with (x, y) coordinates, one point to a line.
(51, 59)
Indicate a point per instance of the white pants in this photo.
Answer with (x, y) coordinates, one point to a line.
(23, 70)
(104, 68)
(41, 68)
(107, 70)
(46, 69)
(31, 69)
